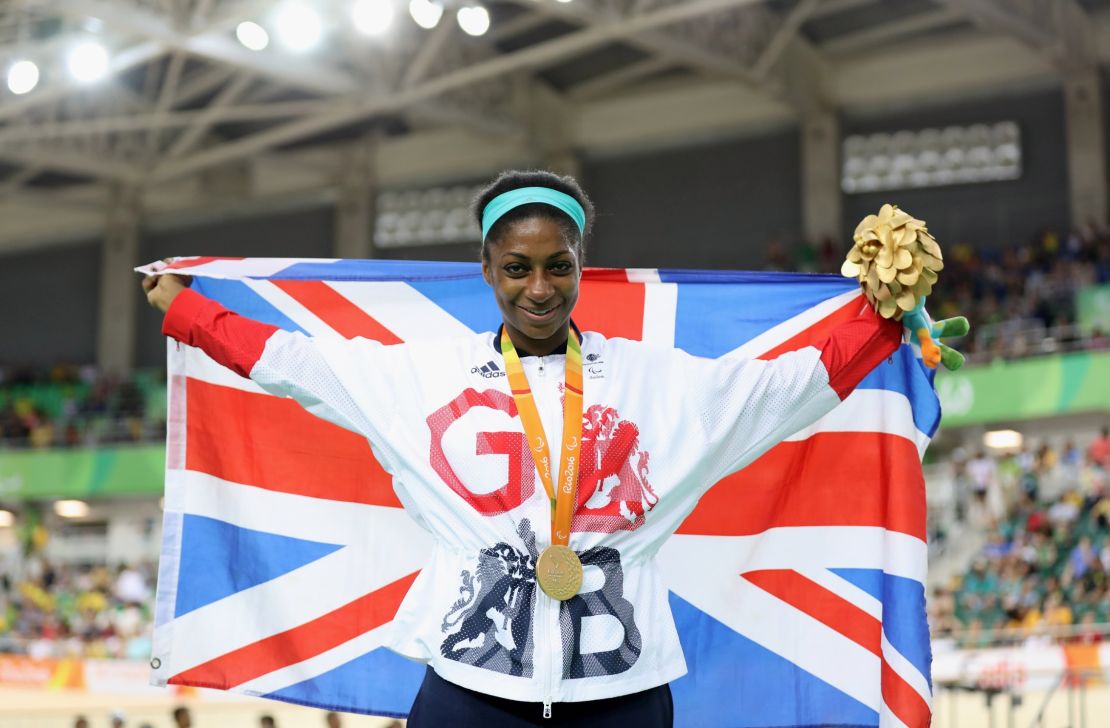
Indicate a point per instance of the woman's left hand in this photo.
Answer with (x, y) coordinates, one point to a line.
(933, 350)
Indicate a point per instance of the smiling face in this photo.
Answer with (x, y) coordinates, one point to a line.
(534, 274)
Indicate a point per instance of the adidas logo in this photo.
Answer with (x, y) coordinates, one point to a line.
(489, 370)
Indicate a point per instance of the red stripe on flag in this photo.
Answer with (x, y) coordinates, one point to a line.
(272, 443)
(828, 608)
(610, 305)
(337, 311)
(903, 700)
(300, 643)
(816, 333)
(828, 479)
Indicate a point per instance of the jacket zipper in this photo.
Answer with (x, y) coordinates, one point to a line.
(549, 672)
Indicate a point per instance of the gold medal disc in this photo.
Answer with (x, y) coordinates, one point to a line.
(559, 572)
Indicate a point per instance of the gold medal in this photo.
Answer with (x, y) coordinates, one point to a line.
(559, 572)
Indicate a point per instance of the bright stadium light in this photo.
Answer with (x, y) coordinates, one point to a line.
(22, 77)
(426, 13)
(252, 35)
(71, 508)
(372, 17)
(88, 62)
(7, 519)
(474, 20)
(298, 27)
(1003, 440)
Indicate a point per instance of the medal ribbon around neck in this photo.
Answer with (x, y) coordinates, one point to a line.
(562, 493)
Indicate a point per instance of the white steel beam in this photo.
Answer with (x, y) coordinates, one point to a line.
(865, 40)
(1059, 29)
(352, 109)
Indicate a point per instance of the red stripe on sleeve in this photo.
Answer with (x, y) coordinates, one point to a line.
(828, 479)
(230, 339)
(272, 443)
(855, 348)
(337, 311)
(300, 643)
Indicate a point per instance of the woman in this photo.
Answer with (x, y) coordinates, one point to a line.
(622, 457)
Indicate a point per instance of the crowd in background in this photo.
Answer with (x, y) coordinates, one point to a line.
(1020, 300)
(76, 611)
(1044, 572)
(68, 406)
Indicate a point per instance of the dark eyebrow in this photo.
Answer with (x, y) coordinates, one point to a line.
(522, 256)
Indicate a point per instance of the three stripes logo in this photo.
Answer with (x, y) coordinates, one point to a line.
(489, 370)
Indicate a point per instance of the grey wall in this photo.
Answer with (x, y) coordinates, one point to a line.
(48, 305)
(991, 214)
(701, 207)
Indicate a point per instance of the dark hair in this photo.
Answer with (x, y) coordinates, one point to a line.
(515, 179)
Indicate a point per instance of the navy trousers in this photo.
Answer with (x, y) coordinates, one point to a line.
(441, 704)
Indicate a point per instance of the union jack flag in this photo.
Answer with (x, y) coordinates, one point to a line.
(797, 584)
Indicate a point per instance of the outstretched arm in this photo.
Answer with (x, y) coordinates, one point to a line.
(326, 377)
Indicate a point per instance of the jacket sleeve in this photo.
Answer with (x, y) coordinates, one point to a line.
(328, 377)
(747, 406)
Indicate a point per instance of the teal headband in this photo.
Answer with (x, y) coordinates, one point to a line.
(506, 201)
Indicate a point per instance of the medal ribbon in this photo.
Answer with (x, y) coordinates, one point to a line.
(562, 493)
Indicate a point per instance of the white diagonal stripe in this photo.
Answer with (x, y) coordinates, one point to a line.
(906, 670)
(402, 309)
(775, 335)
(846, 590)
(317, 665)
(293, 309)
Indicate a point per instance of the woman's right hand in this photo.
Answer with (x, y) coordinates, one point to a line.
(162, 289)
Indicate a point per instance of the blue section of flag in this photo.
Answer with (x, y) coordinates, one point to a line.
(904, 622)
(870, 580)
(734, 682)
(377, 270)
(718, 311)
(219, 559)
(240, 298)
(906, 375)
(467, 299)
(380, 682)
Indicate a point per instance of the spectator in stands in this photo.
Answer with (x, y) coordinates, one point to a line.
(117, 718)
(81, 722)
(1099, 449)
(331, 720)
(267, 721)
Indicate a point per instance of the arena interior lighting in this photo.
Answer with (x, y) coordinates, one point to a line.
(7, 519)
(426, 13)
(298, 27)
(473, 19)
(931, 157)
(88, 62)
(372, 17)
(252, 35)
(71, 508)
(22, 77)
(425, 217)
(1003, 440)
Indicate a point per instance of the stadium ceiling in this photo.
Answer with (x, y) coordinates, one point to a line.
(184, 101)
